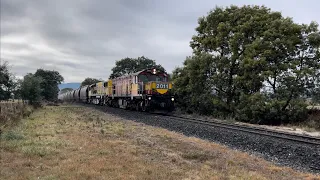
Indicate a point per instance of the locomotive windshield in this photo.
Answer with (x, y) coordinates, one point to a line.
(152, 77)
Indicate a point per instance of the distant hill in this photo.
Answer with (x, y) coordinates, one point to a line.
(69, 85)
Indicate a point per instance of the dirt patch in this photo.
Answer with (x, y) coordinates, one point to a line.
(70, 142)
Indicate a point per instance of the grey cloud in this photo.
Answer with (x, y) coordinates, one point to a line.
(83, 38)
(11, 11)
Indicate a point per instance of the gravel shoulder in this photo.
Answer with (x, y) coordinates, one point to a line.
(77, 142)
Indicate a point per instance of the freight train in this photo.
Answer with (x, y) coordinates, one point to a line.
(146, 90)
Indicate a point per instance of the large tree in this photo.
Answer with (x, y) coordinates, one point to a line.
(255, 62)
(89, 81)
(130, 65)
(236, 37)
(30, 88)
(49, 85)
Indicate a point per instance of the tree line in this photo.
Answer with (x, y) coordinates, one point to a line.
(251, 64)
(37, 87)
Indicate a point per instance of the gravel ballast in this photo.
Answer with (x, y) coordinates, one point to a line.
(299, 156)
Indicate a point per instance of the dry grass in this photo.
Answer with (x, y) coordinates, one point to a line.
(69, 142)
(11, 112)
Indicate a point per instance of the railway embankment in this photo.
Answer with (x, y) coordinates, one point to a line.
(77, 142)
(281, 151)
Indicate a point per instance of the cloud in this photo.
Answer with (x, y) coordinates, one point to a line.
(84, 38)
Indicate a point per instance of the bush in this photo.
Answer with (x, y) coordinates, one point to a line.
(251, 109)
(257, 108)
(313, 120)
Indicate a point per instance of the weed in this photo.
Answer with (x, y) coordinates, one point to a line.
(31, 150)
(11, 146)
(116, 128)
(104, 152)
(12, 135)
(37, 151)
(197, 155)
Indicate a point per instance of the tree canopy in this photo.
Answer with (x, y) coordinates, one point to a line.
(49, 83)
(89, 81)
(30, 88)
(131, 65)
(251, 64)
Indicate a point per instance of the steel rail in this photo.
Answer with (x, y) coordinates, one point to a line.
(254, 130)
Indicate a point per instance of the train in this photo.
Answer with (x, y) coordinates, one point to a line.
(148, 90)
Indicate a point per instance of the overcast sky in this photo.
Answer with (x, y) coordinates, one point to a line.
(83, 38)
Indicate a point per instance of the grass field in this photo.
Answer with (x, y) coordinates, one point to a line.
(69, 142)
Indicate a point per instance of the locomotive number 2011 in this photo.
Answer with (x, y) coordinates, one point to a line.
(162, 86)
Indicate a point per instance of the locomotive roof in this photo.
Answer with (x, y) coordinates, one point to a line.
(139, 72)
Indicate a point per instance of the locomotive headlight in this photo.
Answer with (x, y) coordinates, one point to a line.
(172, 99)
(149, 98)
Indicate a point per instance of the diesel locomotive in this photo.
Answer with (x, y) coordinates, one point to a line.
(146, 90)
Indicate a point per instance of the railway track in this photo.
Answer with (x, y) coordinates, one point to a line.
(305, 139)
(249, 129)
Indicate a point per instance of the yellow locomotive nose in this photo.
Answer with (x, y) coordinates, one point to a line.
(162, 91)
